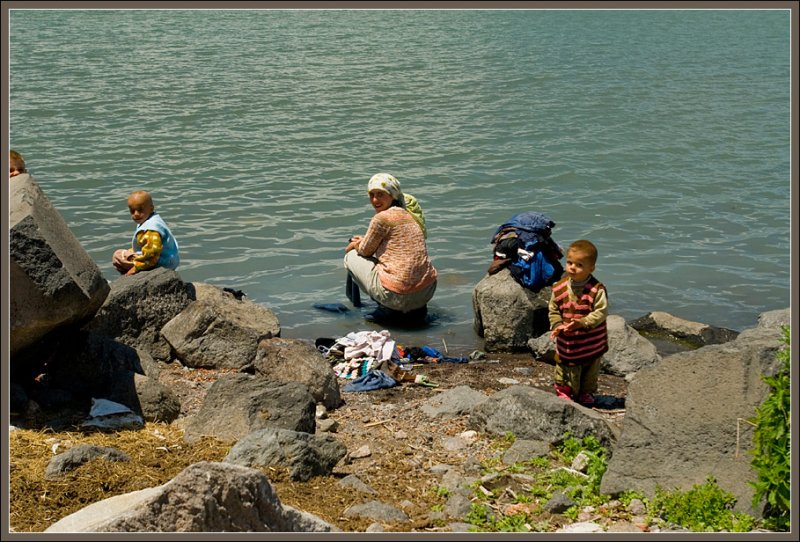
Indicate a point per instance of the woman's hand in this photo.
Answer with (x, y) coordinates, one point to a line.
(353, 244)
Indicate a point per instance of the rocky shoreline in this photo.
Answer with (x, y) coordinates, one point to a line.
(199, 362)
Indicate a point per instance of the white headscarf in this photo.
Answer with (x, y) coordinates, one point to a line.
(387, 183)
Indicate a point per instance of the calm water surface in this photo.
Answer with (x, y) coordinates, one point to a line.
(662, 136)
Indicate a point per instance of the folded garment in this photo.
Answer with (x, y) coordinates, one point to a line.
(433, 353)
(373, 380)
(455, 359)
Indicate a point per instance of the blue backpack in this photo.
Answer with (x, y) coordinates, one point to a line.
(537, 271)
(535, 264)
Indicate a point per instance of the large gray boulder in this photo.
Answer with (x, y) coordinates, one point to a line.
(767, 332)
(628, 352)
(292, 360)
(303, 454)
(507, 315)
(146, 396)
(54, 282)
(685, 420)
(204, 497)
(453, 403)
(217, 330)
(240, 403)
(139, 305)
(533, 414)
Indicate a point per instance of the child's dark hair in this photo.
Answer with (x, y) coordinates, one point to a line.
(587, 248)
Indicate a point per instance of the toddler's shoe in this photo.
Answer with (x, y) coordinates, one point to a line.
(565, 392)
(586, 399)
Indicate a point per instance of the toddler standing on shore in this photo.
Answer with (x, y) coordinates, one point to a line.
(153, 244)
(578, 310)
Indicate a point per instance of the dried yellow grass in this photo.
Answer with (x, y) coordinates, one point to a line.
(157, 454)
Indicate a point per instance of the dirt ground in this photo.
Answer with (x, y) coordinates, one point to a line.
(405, 443)
(399, 442)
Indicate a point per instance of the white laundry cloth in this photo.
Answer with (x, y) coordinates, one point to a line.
(369, 344)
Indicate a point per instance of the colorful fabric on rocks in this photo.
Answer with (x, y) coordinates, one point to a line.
(373, 380)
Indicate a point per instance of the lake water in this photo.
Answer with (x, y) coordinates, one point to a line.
(662, 136)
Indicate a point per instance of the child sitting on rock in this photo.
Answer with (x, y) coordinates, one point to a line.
(578, 310)
(153, 244)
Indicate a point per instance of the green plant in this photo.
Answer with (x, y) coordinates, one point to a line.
(523, 498)
(542, 526)
(484, 520)
(443, 492)
(517, 523)
(570, 447)
(567, 448)
(572, 513)
(596, 469)
(540, 490)
(480, 516)
(627, 496)
(503, 442)
(538, 463)
(561, 479)
(586, 495)
(491, 464)
(703, 508)
(771, 439)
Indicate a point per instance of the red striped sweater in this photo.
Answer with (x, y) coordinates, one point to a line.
(590, 306)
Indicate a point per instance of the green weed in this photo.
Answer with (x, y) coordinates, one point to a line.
(703, 508)
(771, 439)
(484, 520)
(442, 492)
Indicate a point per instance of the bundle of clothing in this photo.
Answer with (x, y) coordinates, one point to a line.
(372, 360)
(524, 245)
(359, 352)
